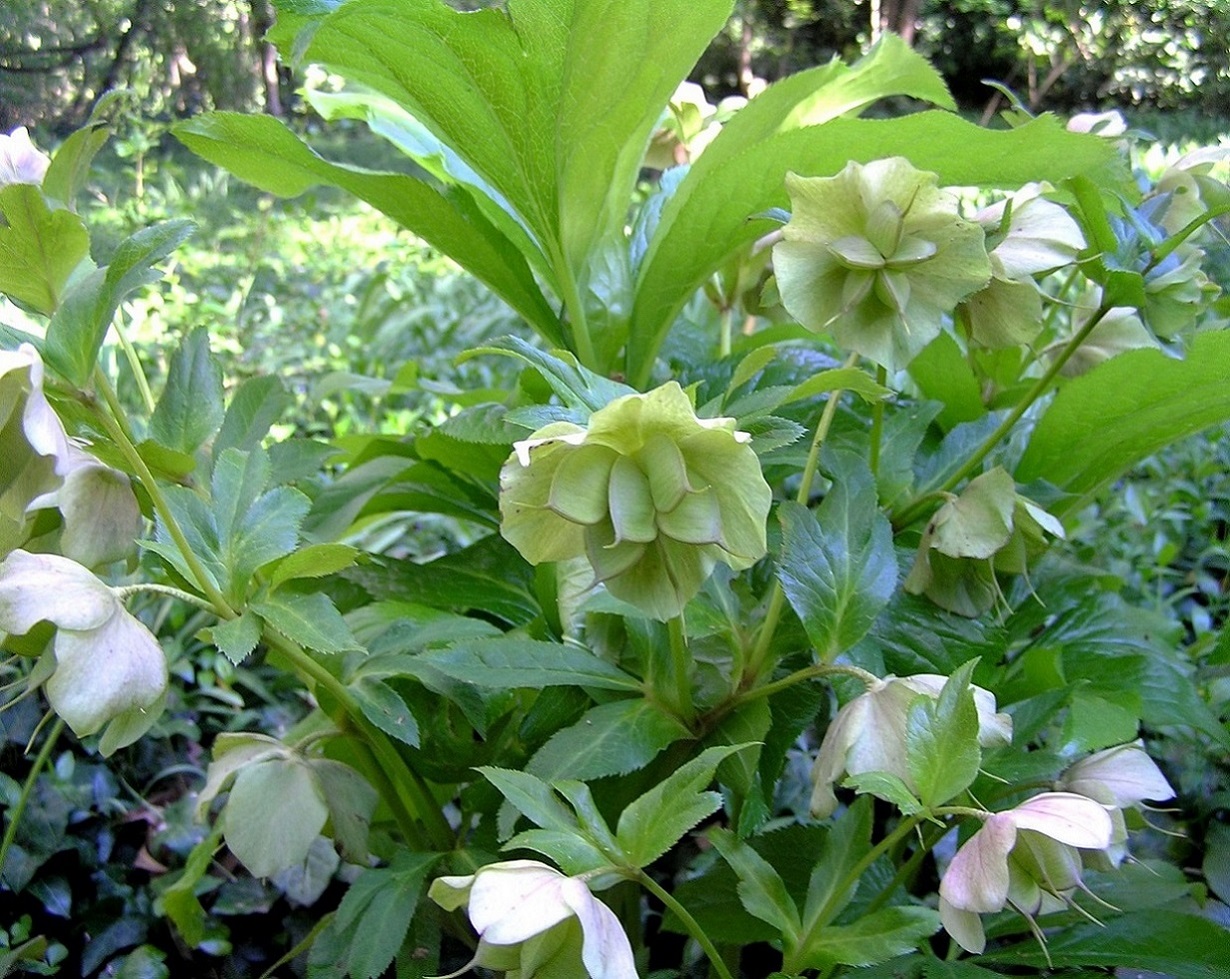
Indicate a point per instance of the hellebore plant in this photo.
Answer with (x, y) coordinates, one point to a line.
(679, 533)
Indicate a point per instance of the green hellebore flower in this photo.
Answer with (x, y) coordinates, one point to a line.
(877, 256)
(110, 670)
(649, 493)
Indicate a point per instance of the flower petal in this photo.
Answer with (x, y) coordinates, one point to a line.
(964, 926)
(977, 879)
(606, 951)
(46, 587)
(1066, 817)
(513, 900)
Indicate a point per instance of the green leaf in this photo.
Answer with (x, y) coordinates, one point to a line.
(179, 901)
(382, 706)
(70, 166)
(351, 801)
(657, 820)
(577, 386)
(943, 374)
(841, 379)
(829, 889)
(313, 561)
(838, 567)
(941, 740)
(311, 620)
(1124, 410)
(263, 151)
(192, 515)
(39, 248)
(190, 409)
(887, 786)
(532, 797)
(1179, 945)
(761, 888)
(237, 637)
(257, 403)
(507, 663)
(1093, 722)
(707, 220)
(874, 938)
(81, 321)
(574, 852)
(611, 739)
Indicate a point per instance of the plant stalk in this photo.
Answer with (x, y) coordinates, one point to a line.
(27, 790)
(694, 929)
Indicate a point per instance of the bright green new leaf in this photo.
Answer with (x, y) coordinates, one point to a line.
(39, 248)
(532, 797)
(190, 409)
(656, 821)
(179, 901)
(257, 403)
(838, 567)
(887, 786)
(313, 561)
(237, 637)
(941, 740)
(310, 619)
(81, 321)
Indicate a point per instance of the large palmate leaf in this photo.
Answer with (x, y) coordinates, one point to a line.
(1123, 411)
(710, 221)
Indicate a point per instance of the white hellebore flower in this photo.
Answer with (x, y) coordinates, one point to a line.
(868, 734)
(530, 917)
(109, 667)
(1026, 857)
(20, 161)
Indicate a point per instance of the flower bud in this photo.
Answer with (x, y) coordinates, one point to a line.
(20, 161)
(110, 670)
(1026, 857)
(877, 256)
(651, 494)
(532, 920)
(869, 734)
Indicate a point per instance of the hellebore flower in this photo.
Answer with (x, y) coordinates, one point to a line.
(869, 733)
(1026, 857)
(1119, 778)
(33, 444)
(109, 669)
(532, 919)
(20, 161)
(877, 256)
(1040, 236)
(988, 528)
(651, 494)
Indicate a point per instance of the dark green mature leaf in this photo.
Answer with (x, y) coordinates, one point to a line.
(39, 248)
(611, 739)
(1124, 410)
(711, 222)
(874, 938)
(190, 409)
(311, 620)
(657, 820)
(507, 663)
(81, 321)
(1183, 946)
(264, 152)
(838, 567)
(383, 707)
(830, 888)
(761, 888)
(192, 515)
(372, 921)
(941, 740)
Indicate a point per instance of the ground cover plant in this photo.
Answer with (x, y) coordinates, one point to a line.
(749, 641)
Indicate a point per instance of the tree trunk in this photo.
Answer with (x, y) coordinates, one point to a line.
(267, 57)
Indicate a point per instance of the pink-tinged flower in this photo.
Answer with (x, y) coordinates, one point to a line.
(531, 919)
(20, 161)
(1025, 858)
(869, 734)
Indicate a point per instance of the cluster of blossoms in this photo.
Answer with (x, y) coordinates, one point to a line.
(648, 493)
(103, 668)
(1031, 857)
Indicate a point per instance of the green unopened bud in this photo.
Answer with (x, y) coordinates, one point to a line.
(649, 493)
(877, 256)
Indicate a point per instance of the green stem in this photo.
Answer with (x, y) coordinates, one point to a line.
(877, 423)
(915, 508)
(690, 923)
(571, 296)
(113, 421)
(123, 591)
(777, 599)
(134, 363)
(802, 676)
(725, 333)
(906, 871)
(27, 789)
(681, 670)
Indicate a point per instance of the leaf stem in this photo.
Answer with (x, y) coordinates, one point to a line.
(122, 592)
(134, 363)
(725, 331)
(914, 509)
(571, 295)
(681, 670)
(802, 676)
(877, 423)
(694, 929)
(27, 789)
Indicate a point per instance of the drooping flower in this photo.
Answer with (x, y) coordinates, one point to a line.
(33, 443)
(1120, 778)
(20, 161)
(109, 669)
(1026, 858)
(649, 493)
(1040, 236)
(869, 733)
(877, 256)
(533, 920)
